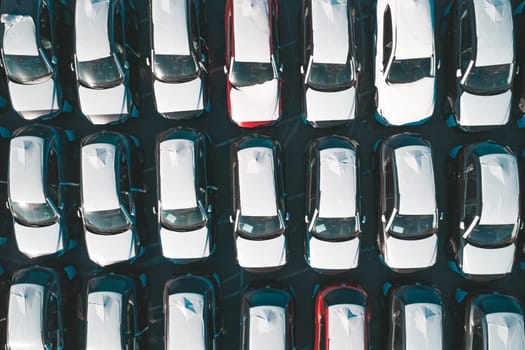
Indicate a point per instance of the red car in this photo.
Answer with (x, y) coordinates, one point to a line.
(252, 62)
(342, 315)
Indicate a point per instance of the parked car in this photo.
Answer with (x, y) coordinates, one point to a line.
(29, 58)
(184, 209)
(480, 65)
(493, 322)
(342, 316)
(487, 214)
(37, 195)
(110, 169)
(179, 57)
(259, 205)
(330, 66)
(267, 319)
(332, 204)
(415, 318)
(408, 214)
(37, 317)
(115, 317)
(102, 60)
(405, 62)
(253, 83)
(191, 316)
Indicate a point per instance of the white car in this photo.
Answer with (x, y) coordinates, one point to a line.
(178, 57)
(481, 64)
(101, 63)
(252, 62)
(332, 204)
(108, 209)
(405, 62)
(259, 213)
(487, 222)
(329, 67)
(408, 214)
(184, 207)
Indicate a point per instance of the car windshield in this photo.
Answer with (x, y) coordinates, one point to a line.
(335, 229)
(250, 73)
(324, 76)
(33, 214)
(412, 226)
(107, 221)
(489, 79)
(492, 235)
(175, 68)
(259, 226)
(408, 71)
(101, 73)
(27, 69)
(183, 219)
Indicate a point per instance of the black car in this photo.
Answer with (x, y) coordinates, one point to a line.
(415, 318)
(486, 203)
(329, 67)
(29, 45)
(184, 212)
(267, 318)
(39, 308)
(481, 63)
(115, 312)
(110, 186)
(191, 312)
(39, 200)
(179, 58)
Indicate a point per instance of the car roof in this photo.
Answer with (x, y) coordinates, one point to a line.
(186, 322)
(104, 318)
(19, 35)
(505, 331)
(24, 317)
(26, 167)
(495, 33)
(267, 328)
(91, 29)
(330, 31)
(170, 27)
(500, 189)
(415, 178)
(177, 174)
(413, 28)
(99, 187)
(251, 30)
(424, 324)
(346, 326)
(257, 182)
(337, 183)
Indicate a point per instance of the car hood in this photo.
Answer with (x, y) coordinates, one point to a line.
(255, 103)
(481, 261)
(179, 97)
(36, 100)
(477, 110)
(110, 249)
(268, 253)
(100, 102)
(326, 255)
(327, 106)
(411, 103)
(185, 245)
(38, 241)
(410, 254)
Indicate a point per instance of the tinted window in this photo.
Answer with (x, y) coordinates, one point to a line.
(397, 341)
(465, 28)
(471, 191)
(124, 183)
(194, 29)
(118, 33)
(389, 185)
(52, 322)
(313, 186)
(130, 325)
(307, 28)
(52, 177)
(322, 334)
(387, 36)
(477, 331)
(45, 29)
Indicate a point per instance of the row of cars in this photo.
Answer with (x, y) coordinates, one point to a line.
(39, 315)
(478, 34)
(485, 206)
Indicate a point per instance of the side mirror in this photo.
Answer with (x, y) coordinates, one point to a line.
(306, 219)
(301, 69)
(458, 73)
(225, 69)
(209, 209)
(383, 219)
(8, 207)
(148, 63)
(154, 209)
(281, 68)
(230, 218)
(462, 225)
(287, 218)
(54, 60)
(79, 213)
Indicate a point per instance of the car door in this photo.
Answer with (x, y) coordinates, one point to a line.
(470, 193)
(131, 343)
(396, 341)
(125, 182)
(53, 319)
(118, 32)
(52, 177)
(388, 189)
(387, 42)
(229, 33)
(312, 186)
(464, 37)
(307, 38)
(45, 31)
